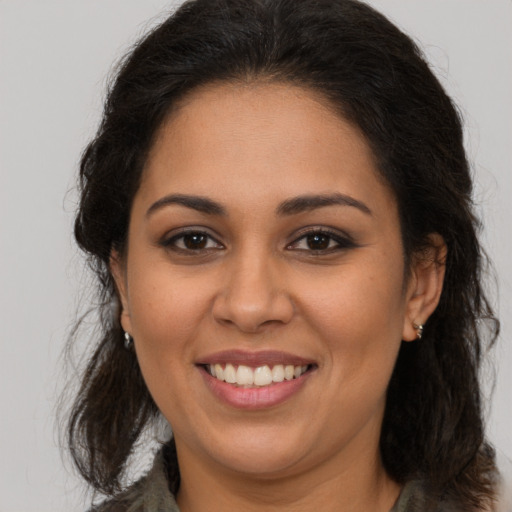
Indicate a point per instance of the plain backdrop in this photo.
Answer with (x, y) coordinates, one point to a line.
(54, 59)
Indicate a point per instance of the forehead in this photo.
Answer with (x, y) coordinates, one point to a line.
(259, 138)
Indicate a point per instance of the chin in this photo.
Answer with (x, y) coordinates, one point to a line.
(259, 454)
(265, 464)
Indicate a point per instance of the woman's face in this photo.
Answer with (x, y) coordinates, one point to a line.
(264, 246)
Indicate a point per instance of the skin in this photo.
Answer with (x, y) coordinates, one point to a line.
(259, 284)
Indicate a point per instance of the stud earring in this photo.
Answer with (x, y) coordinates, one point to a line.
(128, 341)
(419, 330)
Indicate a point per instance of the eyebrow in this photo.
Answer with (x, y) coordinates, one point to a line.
(301, 204)
(292, 206)
(199, 203)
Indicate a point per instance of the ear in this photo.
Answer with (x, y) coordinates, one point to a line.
(118, 271)
(425, 285)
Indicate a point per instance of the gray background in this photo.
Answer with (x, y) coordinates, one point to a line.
(54, 58)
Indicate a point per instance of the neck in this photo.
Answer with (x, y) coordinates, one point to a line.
(356, 484)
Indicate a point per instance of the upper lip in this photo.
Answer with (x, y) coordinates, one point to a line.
(254, 359)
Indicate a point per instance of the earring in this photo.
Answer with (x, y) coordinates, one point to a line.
(128, 341)
(419, 329)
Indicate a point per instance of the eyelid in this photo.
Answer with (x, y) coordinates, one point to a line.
(167, 241)
(343, 239)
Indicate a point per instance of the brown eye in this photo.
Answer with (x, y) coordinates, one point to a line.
(192, 242)
(318, 241)
(195, 241)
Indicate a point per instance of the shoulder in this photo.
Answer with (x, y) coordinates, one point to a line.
(505, 483)
(415, 496)
(149, 494)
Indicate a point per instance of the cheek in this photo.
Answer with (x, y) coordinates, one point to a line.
(359, 315)
(166, 313)
(166, 317)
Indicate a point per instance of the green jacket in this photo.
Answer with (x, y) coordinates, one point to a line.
(152, 494)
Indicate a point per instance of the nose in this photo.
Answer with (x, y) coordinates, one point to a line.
(253, 296)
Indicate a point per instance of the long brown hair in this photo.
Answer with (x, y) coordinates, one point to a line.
(377, 78)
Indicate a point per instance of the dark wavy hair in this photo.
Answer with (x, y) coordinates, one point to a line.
(375, 77)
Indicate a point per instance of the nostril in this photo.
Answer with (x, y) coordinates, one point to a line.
(251, 297)
(252, 316)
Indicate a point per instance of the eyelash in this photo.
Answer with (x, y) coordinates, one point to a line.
(342, 242)
(172, 242)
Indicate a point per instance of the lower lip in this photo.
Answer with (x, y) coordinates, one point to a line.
(254, 398)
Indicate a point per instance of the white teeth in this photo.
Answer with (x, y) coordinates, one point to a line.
(230, 374)
(219, 371)
(289, 372)
(252, 377)
(262, 376)
(244, 376)
(278, 373)
(299, 370)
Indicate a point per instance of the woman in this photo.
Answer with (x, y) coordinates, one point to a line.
(278, 208)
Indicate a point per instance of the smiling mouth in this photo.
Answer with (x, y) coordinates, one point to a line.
(261, 376)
